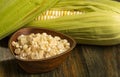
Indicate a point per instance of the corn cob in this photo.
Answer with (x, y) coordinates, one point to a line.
(96, 24)
(52, 14)
(14, 14)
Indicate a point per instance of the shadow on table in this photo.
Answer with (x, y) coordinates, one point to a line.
(4, 42)
(10, 68)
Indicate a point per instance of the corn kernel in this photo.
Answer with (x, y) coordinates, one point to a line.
(38, 46)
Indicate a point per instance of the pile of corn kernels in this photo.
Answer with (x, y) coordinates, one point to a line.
(39, 46)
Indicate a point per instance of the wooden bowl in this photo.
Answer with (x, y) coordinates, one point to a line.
(41, 65)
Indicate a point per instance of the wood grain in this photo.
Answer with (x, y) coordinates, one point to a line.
(84, 61)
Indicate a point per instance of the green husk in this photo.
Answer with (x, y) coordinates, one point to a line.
(14, 14)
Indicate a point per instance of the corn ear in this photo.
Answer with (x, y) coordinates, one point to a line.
(98, 24)
(14, 14)
(96, 28)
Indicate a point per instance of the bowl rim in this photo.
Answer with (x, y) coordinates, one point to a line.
(43, 59)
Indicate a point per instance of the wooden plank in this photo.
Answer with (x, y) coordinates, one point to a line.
(102, 61)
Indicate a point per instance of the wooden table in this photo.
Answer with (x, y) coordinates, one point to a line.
(84, 61)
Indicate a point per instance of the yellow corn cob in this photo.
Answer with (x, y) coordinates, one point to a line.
(52, 14)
